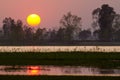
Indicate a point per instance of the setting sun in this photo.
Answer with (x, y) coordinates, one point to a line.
(33, 20)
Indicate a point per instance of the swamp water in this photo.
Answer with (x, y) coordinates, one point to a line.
(58, 70)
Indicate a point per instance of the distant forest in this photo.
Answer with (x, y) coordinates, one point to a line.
(106, 28)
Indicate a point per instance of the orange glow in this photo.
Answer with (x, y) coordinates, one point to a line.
(33, 70)
(33, 20)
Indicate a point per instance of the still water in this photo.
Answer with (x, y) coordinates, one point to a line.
(58, 70)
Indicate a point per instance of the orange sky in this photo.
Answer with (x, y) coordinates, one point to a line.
(51, 11)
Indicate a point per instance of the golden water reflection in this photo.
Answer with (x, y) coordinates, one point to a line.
(33, 70)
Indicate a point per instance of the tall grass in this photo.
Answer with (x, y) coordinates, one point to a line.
(65, 58)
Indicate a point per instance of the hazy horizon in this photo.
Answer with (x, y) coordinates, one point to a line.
(51, 11)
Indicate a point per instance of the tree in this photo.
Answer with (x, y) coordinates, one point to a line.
(70, 23)
(116, 28)
(116, 36)
(104, 17)
(60, 35)
(85, 35)
(96, 34)
(13, 30)
(53, 35)
(7, 25)
(17, 33)
(29, 34)
(95, 14)
(40, 34)
(37, 34)
(116, 22)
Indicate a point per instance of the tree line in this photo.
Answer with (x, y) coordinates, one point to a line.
(106, 25)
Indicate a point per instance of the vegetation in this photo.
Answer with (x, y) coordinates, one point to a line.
(108, 22)
(15, 33)
(107, 60)
(105, 19)
(71, 23)
(70, 30)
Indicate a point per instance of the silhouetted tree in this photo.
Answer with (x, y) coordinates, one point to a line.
(85, 35)
(13, 31)
(96, 34)
(53, 35)
(116, 22)
(60, 36)
(37, 34)
(95, 23)
(40, 34)
(116, 27)
(70, 23)
(29, 35)
(104, 16)
(7, 25)
(116, 36)
(17, 33)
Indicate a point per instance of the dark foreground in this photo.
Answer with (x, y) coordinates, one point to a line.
(65, 58)
(56, 78)
(108, 60)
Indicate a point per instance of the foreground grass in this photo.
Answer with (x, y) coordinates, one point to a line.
(64, 58)
(56, 78)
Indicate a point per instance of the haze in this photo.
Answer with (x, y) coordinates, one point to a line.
(51, 11)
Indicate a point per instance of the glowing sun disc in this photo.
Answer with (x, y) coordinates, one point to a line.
(33, 20)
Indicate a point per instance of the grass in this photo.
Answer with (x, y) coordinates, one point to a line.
(56, 78)
(65, 58)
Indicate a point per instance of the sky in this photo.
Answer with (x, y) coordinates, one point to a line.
(51, 11)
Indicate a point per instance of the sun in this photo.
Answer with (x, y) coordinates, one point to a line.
(33, 20)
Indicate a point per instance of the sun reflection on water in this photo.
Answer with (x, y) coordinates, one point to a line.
(33, 70)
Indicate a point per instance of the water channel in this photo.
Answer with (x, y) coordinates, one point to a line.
(58, 70)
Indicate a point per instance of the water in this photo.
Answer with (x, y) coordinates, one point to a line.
(58, 71)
